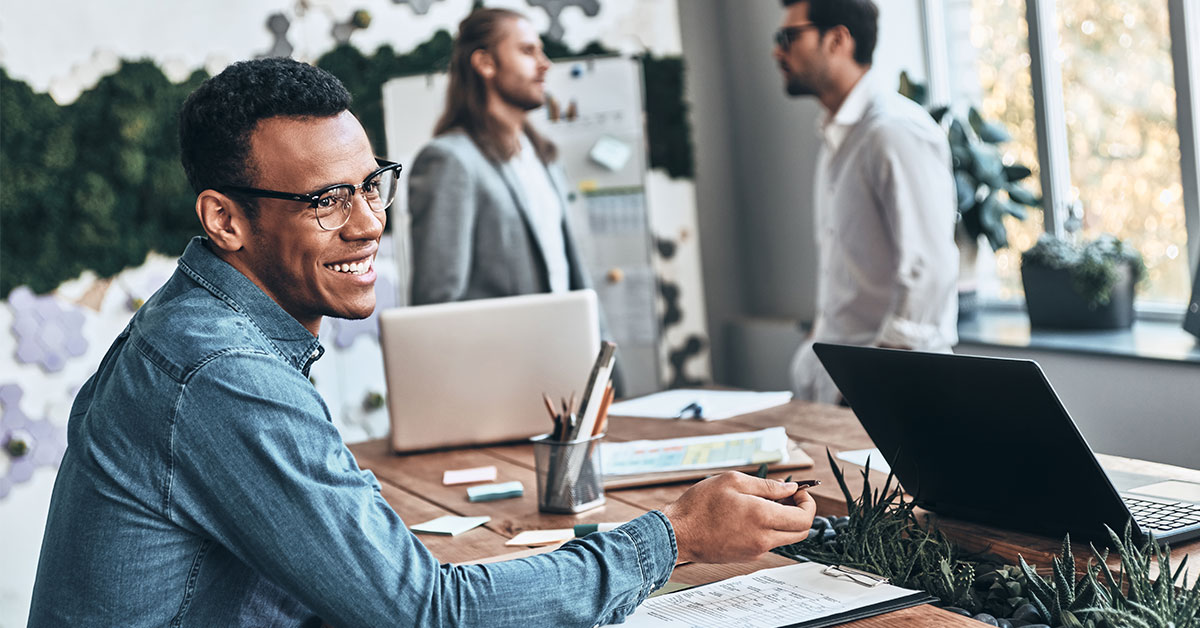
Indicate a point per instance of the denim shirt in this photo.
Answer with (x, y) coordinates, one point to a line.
(205, 485)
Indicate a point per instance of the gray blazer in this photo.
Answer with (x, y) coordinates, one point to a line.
(472, 236)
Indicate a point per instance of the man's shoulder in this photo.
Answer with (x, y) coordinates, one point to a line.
(456, 144)
(891, 116)
(185, 326)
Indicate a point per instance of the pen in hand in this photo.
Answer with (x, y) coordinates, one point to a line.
(803, 485)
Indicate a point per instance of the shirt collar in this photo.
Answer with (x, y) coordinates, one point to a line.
(225, 282)
(834, 127)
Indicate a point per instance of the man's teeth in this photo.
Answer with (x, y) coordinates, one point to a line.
(356, 268)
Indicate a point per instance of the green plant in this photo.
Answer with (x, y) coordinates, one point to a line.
(1093, 266)
(884, 536)
(987, 189)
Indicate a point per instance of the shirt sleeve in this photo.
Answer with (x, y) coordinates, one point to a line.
(258, 467)
(915, 193)
(442, 209)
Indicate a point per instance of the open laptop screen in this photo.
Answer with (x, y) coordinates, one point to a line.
(978, 438)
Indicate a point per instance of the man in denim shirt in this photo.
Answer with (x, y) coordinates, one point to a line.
(204, 484)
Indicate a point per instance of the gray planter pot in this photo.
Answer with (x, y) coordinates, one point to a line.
(1053, 303)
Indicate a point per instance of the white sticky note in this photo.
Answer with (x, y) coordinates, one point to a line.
(467, 476)
(450, 525)
(542, 537)
(610, 152)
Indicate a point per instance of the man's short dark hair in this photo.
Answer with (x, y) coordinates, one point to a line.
(860, 17)
(217, 119)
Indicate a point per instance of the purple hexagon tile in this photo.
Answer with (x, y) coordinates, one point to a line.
(29, 443)
(48, 333)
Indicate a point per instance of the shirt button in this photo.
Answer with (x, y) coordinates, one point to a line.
(316, 352)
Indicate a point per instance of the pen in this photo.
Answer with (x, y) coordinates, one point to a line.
(694, 408)
(790, 500)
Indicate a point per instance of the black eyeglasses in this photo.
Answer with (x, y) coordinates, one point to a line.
(332, 205)
(786, 35)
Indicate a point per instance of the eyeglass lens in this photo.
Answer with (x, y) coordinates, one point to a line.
(334, 207)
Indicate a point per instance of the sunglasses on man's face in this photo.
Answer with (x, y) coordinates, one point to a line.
(788, 34)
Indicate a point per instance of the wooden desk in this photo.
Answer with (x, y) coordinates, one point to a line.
(412, 484)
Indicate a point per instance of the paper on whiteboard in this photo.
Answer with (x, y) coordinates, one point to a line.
(696, 452)
(714, 404)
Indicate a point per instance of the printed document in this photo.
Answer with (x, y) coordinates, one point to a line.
(695, 452)
(770, 598)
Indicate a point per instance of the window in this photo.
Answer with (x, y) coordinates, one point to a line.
(1120, 153)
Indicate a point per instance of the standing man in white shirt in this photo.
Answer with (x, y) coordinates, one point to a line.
(487, 195)
(884, 199)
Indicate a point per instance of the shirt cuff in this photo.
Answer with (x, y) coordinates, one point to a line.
(901, 332)
(654, 539)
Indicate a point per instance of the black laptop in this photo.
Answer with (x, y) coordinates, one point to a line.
(987, 440)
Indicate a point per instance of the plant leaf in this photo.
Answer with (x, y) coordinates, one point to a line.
(990, 132)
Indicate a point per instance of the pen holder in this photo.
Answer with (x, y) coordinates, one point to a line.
(569, 478)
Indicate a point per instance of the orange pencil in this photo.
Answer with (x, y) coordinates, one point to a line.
(549, 406)
(602, 418)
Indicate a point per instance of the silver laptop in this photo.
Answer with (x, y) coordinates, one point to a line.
(987, 439)
(473, 372)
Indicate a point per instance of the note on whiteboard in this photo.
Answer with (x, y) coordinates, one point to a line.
(770, 598)
(695, 452)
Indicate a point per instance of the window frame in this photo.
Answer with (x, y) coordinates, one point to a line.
(1050, 112)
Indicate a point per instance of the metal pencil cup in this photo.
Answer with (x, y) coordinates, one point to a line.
(569, 478)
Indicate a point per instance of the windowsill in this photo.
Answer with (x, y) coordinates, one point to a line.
(1146, 340)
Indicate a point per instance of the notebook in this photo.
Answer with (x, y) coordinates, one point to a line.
(473, 372)
(988, 440)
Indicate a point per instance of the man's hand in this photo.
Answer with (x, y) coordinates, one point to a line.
(733, 517)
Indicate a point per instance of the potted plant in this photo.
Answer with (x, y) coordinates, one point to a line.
(1081, 286)
(987, 189)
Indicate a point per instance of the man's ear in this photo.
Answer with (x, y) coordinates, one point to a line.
(223, 220)
(484, 63)
(840, 40)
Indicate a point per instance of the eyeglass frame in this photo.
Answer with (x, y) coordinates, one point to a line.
(786, 36)
(314, 199)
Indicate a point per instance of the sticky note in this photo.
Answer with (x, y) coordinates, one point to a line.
(490, 492)
(467, 476)
(534, 538)
(449, 525)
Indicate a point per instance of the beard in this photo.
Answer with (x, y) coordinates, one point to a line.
(798, 86)
(526, 96)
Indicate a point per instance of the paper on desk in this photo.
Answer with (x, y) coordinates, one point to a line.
(449, 525)
(859, 457)
(466, 476)
(714, 404)
(765, 599)
(695, 452)
(542, 537)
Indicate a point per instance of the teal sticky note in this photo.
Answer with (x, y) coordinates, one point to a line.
(492, 492)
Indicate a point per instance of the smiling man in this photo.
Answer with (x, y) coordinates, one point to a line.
(204, 483)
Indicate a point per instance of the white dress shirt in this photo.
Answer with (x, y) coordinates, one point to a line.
(545, 212)
(885, 217)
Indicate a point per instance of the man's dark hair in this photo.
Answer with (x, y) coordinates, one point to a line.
(860, 17)
(217, 119)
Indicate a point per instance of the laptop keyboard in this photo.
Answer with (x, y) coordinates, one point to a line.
(1163, 515)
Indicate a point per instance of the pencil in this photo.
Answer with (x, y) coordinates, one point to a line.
(549, 406)
(602, 417)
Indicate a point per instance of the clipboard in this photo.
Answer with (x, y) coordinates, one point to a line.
(797, 459)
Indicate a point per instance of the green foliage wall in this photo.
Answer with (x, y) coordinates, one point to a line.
(97, 184)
